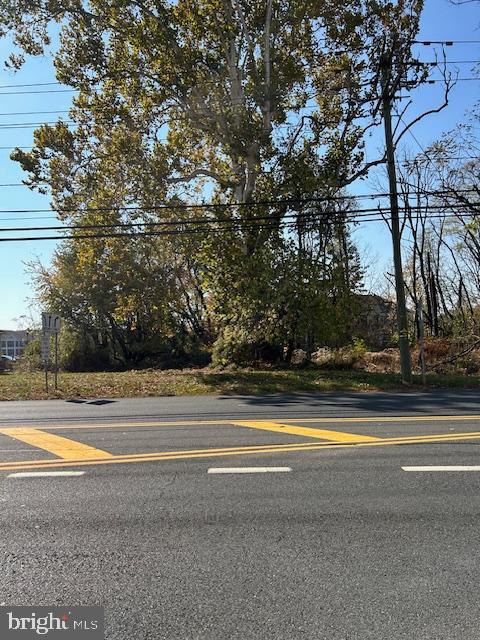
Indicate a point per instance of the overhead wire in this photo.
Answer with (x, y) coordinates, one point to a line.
(356, 212)
(49, 91)
(25, 125)
(30, 84)
(447, 43)
(32, 113)
(190, 221)
(237, 227)
(347, 215)
(214, 205)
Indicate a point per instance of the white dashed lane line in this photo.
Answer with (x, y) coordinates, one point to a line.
(45, 474)
(249, 469)
(443, 468)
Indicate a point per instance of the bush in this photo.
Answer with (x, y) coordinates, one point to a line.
(386, 361)
(346, 357)
(343, 357)
(77, 352)
(358, 347)
(240, 347)
(31, 359)
(437, 348)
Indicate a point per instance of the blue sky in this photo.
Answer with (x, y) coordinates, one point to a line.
(441, 21)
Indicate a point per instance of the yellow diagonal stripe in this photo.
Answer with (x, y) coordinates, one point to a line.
(59, 446)
(321, 434)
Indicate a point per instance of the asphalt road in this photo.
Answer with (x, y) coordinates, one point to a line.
(347, 545)
(443, 402)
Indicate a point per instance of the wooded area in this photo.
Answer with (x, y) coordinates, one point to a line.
(205, 183)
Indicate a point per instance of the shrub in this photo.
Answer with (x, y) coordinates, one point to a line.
(78, 352)
(237, 345)
(31, 359)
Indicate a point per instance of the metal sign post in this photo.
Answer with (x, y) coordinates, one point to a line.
(51, 323)
(45, 350)
(56, 361)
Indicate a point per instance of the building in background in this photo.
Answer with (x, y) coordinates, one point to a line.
(12, 343)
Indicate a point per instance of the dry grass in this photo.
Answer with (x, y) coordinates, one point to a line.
(151, 382)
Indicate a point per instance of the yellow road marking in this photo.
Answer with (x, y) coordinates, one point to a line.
(234, 451)
(382, 419)
(59, 446)
(181, 423)
(322, 434)
(164, 455)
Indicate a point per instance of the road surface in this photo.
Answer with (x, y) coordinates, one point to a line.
(359, 517)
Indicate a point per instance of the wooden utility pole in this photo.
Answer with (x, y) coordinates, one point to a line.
(402, 321)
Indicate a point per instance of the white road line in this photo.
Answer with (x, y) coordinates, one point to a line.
(45, 474)
(249, 469)
(10, 450)
(443, 468)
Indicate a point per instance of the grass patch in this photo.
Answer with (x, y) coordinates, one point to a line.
(150, 382)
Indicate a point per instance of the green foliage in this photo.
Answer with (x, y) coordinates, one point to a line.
(31, 359)
(236, 345)
(294, 292)
(78, 352)
(394, 339)
(345, 357)
(358, 347)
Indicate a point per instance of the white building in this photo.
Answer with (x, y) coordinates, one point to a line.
(12, 343)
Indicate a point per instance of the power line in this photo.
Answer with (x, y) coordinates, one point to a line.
(14, 184)
(431, 161)
(19, 93)
(346, 215)
(15, 127)
(170, 223)
(29, 218)
(205, 205)
(236, 227)
(32, 84)
(447, 43)
(435, 80)
(422, 42)
(441, 157)
(329, 92)
(7, 125)
(346, 212)
(442, 62)
(74, 123)
(405, 162)
(32, 113)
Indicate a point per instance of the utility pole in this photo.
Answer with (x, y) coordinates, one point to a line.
(402, 322)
